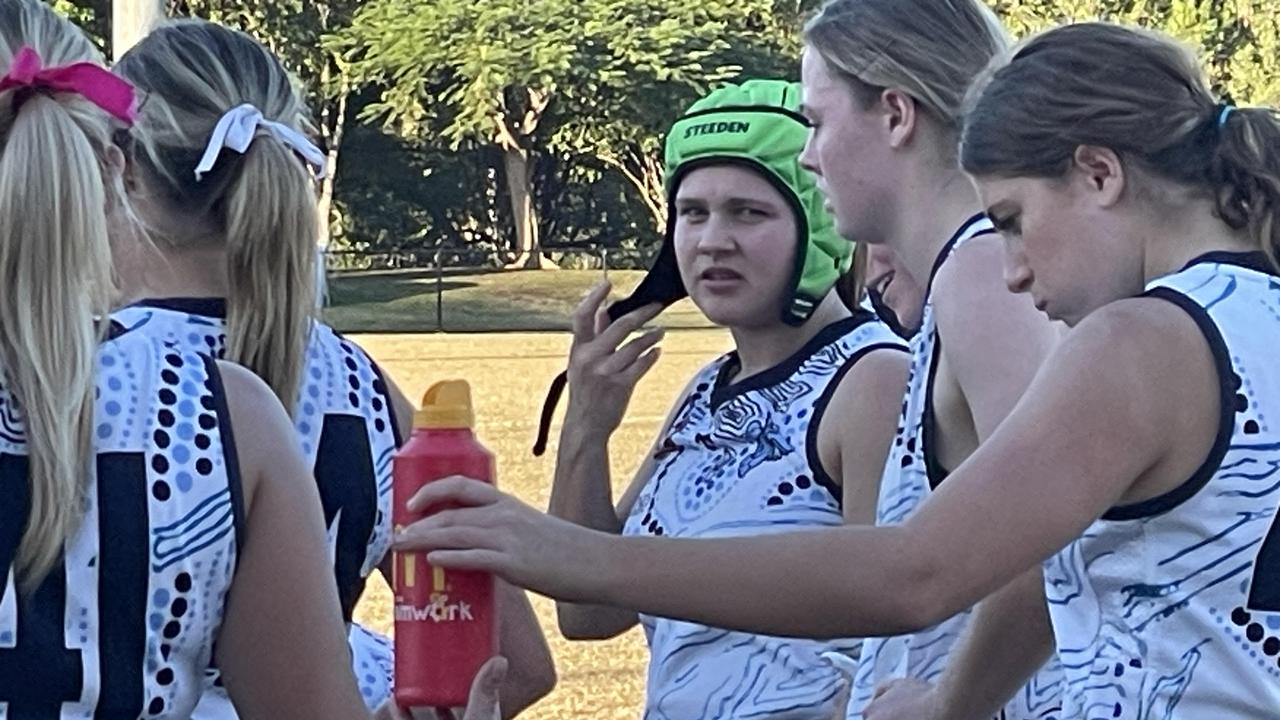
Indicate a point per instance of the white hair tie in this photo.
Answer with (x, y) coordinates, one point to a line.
(239, 126)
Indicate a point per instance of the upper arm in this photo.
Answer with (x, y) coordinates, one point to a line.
(993, 340)
(282, 647)
(1099, 416)
(858, 427)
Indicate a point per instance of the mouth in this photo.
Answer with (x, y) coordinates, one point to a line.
(719, 277)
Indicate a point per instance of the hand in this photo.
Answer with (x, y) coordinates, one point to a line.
(485, 529)
(602, 375)
(482, 702)
(905, 699)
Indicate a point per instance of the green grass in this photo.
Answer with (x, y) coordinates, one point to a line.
(509, 373)
(475, 301)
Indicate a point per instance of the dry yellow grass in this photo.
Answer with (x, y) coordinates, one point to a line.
(509, 374)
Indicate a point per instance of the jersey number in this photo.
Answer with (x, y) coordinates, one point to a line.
(1264, 590)
(38, 672)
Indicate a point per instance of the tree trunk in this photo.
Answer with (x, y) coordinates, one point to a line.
(520, 188)
(131, 20)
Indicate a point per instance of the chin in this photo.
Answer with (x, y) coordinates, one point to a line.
(729, 313)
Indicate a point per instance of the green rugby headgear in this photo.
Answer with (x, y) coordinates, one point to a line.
(756, 125)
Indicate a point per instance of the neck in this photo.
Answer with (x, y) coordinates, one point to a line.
(1174, 238)
(760, 348)
(199, 271)
(935, 206)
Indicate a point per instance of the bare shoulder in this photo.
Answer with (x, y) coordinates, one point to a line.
(263, 434)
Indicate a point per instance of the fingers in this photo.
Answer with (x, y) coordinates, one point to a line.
(602, 319)
(452, 529)
(584, 316)
(454, 490)
(490, 561)
(482, 704)
(642, 366)
(627, 324)
(626, 355)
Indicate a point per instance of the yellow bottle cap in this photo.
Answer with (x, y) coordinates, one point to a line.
(446, 405)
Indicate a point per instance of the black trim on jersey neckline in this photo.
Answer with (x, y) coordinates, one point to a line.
(950, 245)
(214, 307)
(724, 389)
(820, 474)
(935, 471)
(1226, 417)
(1256, 260)
(114, 331)
(230, 457)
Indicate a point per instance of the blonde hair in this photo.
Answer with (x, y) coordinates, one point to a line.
(55, 273)
(1140, 93)
(930, 49)
(262, 202)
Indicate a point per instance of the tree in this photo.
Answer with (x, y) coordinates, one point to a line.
(530, 76)
(1237, 40)
(295, 30)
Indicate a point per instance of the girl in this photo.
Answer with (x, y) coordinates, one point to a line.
(152, 502)
(789, 430)
(225, 184)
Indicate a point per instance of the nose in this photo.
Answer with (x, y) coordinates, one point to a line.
(809, 156)
(1017, 273)
(716, 236)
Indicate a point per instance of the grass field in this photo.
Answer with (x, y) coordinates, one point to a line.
(509, 373)
(475, 301)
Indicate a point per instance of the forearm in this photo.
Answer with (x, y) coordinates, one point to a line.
(582, 491)
(1009, 639)
(532, 673)
(769, 584)
(582, 494)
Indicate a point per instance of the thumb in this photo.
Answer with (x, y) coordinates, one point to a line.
(482, 704)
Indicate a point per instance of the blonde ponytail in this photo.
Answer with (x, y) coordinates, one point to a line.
(261, 204)
(55, 278)
(271, 259)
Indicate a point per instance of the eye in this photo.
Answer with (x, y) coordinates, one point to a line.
(1010, 224)
(753, 214)
(692, 212)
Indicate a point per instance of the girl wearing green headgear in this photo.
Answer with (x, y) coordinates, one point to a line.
(790, 430)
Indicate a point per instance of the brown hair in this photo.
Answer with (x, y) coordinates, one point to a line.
(1141, 94)
(263, 202)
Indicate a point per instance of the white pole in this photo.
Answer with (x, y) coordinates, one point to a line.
(131, 20)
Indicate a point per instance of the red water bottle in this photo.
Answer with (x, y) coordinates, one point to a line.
(446, 622)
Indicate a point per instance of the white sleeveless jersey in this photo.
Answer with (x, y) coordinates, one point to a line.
(346, 429)
(124, 625)
(1170, 608)
(742, 459)
(911, 473)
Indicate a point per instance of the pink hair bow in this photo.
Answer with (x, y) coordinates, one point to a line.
(96, 84)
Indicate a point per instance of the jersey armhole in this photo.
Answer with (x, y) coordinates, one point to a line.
(382, 389)
(231, 458)
(820, 474)
(1226, 417)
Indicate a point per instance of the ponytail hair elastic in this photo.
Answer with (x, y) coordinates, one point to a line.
(237, 130)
